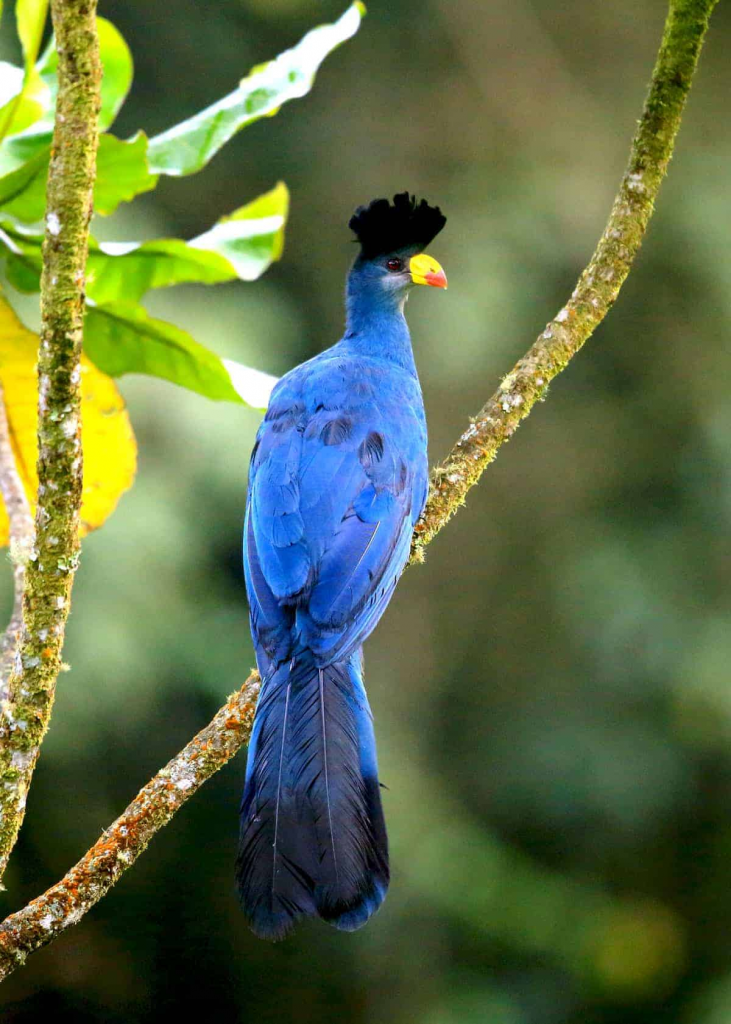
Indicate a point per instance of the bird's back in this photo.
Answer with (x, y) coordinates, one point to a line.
(338, 478)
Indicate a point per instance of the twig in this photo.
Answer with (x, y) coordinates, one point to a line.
(64, 904)
(50, 570)
(21, 543)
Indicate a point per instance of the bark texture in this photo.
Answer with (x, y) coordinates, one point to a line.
(599, 284)
(51, 564)
(120, 845)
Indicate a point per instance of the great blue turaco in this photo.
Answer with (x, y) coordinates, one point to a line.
(337, 480)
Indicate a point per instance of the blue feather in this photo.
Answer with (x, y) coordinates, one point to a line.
(313, 840)
(337, 481)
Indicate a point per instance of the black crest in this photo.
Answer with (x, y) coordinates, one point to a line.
(382, 228)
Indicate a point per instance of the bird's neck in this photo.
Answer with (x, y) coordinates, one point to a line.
(375, 326)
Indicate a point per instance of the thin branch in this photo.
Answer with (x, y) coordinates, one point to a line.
(120, 845)
(21, 545)
(50, 570)
(65, 903)
(598, 286)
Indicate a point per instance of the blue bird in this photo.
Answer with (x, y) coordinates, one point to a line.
(337, 480)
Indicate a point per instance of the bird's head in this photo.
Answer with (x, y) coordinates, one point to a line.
(392, 241)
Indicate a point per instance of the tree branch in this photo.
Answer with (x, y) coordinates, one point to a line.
(65, 903)
(50, 570)
(598, 286)
(21, 548)
(120, 845)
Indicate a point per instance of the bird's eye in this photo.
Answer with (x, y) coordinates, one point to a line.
(394, 264)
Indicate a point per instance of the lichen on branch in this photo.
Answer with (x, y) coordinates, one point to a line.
(50, 569)
(120, 845)
(599, 284)
(65, 903)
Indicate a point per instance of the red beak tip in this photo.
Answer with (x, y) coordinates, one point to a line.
(438, 280)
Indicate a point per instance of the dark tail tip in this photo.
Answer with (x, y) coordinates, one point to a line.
(350, 916)
(273, 915)
(275, 924)
(313, 839)
(270, 925)
(275, 919)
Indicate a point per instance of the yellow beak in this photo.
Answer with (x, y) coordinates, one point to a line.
(425, 270)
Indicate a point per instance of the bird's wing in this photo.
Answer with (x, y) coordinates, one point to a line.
(332, 499)
(274, 569)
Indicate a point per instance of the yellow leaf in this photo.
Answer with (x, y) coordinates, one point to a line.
(110, 452)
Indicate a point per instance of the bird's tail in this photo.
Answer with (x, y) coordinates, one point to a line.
(313, 839)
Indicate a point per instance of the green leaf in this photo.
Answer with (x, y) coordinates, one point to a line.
(31, 17)
(252, 237)
(121, 175)
(122, 338)
(241, 245)
(189, 146)
(23, 191)
(22, 255)
(22, 275)
(126, 270)
(117, 74)
(25, 108)
(29, 103)
(11, 81)
(121, 171)
(31, 126)
(17, 150)
(127, 168)
(118, 70)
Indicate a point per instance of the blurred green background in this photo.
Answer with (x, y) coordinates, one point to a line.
(552, 689)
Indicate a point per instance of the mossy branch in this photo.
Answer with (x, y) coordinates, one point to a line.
(50, 570)
(120, 845)
(598, 286)
(65, 903)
